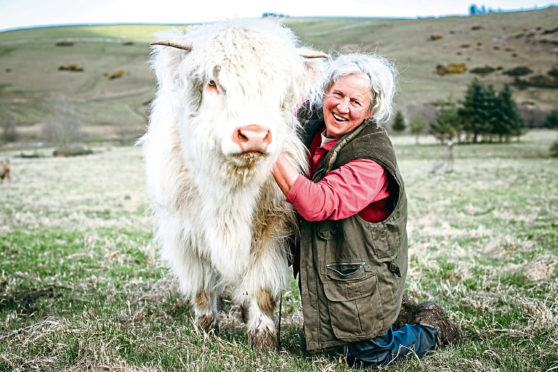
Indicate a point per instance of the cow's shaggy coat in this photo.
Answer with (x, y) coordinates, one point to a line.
(222, 220)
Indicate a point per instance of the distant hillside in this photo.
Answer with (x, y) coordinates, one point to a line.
(36, 95)
(502, 41)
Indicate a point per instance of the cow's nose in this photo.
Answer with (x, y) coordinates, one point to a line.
(252, 138)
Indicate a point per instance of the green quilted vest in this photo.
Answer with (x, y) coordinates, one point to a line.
(353, 272)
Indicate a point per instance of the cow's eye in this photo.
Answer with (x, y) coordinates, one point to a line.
(212, 83)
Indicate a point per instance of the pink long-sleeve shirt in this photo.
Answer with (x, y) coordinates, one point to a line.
(358, 187)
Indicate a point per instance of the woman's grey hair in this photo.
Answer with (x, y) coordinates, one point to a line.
(381, 73)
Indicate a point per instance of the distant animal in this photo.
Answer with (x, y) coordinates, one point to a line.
(224, 109)
(5, 170)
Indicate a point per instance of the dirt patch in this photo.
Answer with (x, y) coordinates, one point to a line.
(535, 271)
(24, 301)
(162, 290)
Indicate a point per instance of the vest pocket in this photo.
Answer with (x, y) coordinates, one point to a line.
(351, 305)
(345, 270)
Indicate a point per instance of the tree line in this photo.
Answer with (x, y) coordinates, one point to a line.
(478, 10)
(484, 115)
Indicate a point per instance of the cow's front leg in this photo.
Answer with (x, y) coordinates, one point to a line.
(258, 312)
(196, 278)
(205, 310)
(260, 288)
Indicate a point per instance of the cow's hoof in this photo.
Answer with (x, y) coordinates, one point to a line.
(207, 323)
(263, 340)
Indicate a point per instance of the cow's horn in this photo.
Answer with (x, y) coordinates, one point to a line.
(308, 53)
(176, 43)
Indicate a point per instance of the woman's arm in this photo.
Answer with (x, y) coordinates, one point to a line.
(285, 173)
(342, 193)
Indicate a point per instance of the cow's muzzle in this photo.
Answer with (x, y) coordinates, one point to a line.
(252, 139)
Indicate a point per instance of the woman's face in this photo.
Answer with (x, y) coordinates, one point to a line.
(346, 105)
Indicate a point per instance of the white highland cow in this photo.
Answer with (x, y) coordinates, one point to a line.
(225, 108)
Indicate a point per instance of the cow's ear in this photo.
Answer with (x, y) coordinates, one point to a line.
(166, 58)
(313, 70)
(314, 65)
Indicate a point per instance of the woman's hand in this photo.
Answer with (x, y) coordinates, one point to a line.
(285, 173)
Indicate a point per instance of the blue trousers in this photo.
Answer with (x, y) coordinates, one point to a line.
(393, 345)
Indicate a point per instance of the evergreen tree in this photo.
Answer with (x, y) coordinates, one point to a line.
(483, 113)
(417, 127)
(552, 120)
(478, 113)
(489, 122)
(468, 113)
(509, 122)
(399, 123)
(447, 123)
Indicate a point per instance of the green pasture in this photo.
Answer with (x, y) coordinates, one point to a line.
(82, 287)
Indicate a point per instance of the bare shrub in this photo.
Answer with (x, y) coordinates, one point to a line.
(533, 116)
(64, 126)
(9, 130)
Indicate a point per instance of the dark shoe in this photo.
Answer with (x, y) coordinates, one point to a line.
(432, 315)
(408, 312)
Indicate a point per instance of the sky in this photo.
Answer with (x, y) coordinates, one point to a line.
(30, 13)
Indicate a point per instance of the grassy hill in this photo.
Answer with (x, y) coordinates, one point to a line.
(38, 98)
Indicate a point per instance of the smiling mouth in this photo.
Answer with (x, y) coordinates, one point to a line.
(338, 118)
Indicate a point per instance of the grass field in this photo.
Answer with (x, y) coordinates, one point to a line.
(81, 286)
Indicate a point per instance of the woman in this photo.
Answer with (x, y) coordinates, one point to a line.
(353, 244)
